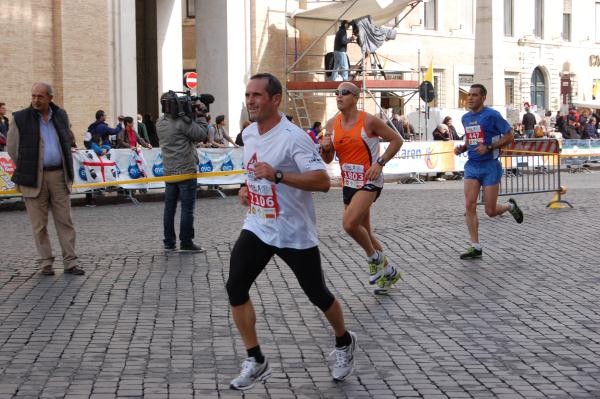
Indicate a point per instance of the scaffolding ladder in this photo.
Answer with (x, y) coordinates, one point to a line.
(300, 109)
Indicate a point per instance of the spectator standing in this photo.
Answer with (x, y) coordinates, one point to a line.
(3, 126)
(546, 123)
(560, 123)
(142, 131)
(528, 122)
(178, 137)
(151, 128)
(340, 58)
(128, 137)
(40, 146)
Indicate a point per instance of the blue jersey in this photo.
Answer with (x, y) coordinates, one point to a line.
(486, 127)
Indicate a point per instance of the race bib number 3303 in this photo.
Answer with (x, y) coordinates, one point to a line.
(263, 199)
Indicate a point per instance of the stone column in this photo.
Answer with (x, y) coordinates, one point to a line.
(169, 47)
(489, 41)
(222, 58)
(122, 60)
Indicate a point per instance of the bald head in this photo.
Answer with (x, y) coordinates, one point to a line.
(355, 90)
(347, 95)
(45, 87)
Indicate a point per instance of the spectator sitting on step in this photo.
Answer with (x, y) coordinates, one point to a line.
(451, 129)
(396, 123)
(409, 130)
(129, 138)
(239, 140)
(218, 137)
(589, 129)
(442, 132)
(100, 140)
(571, 130)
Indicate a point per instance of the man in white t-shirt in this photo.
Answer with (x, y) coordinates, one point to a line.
(283, 168)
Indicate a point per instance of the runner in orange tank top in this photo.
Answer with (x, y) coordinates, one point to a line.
(354, 136)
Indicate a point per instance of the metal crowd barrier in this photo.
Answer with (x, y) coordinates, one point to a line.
(532, 166)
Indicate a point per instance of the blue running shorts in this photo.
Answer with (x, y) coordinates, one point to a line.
(488, 173)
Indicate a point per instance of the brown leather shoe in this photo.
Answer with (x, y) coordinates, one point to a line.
(76, 270)
(47, 271)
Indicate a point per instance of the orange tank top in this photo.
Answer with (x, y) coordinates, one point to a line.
(356, 152)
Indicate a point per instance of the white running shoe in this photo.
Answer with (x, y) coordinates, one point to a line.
(251, 372)
(344, 360)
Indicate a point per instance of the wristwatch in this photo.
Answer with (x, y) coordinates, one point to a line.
(489, 147)
(278, 176)
(381, 161)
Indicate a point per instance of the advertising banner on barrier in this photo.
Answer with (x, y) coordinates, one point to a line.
(581, 148)
(413, 157)
(418, 157)
(7, 167)
(125, 164)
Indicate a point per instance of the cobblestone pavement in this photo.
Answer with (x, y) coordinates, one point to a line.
(521, 322)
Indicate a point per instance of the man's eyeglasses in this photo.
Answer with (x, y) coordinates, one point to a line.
(344, 92)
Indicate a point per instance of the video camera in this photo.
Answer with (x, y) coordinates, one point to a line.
(181, 103)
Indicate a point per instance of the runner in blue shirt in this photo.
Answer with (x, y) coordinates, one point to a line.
(486, 131)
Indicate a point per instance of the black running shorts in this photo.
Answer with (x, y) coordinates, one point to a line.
(249, 257)
(348, 192)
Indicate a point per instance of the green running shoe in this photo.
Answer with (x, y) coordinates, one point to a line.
(472, 253)
(516, 211)
(384, 285)
(376, 269)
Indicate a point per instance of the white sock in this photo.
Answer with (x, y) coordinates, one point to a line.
(376, 257)
(477, 246)
(511, 206)
(389, 269)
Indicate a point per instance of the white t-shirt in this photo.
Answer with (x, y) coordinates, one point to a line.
(280, 215)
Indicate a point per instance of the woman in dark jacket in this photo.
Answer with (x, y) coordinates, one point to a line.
(452, 130)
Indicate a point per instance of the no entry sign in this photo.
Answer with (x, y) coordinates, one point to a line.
(190, 80)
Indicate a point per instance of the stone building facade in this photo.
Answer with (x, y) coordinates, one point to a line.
(119, 55)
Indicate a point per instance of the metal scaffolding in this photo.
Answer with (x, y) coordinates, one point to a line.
(373, 82)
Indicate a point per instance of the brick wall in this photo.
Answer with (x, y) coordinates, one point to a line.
(64, 43)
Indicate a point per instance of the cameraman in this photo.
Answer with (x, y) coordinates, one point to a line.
(178, 136)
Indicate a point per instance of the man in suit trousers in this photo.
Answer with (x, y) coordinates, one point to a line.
(40, 146)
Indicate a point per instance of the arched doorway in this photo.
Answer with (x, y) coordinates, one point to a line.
(538, 88)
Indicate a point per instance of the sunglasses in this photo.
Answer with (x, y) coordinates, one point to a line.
(344, 92)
